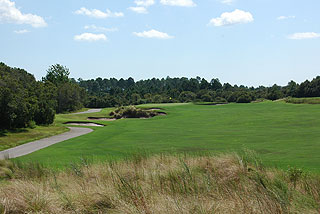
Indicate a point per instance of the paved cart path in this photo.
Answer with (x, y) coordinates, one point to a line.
(43, 143)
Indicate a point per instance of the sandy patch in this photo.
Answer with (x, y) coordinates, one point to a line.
(84, 124)
(102, 118)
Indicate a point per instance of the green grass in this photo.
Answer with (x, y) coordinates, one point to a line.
(283, 134)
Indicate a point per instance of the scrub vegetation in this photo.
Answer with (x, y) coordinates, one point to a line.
(229, 183)
(132, 112)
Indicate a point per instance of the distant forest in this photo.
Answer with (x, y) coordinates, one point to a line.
(25, 102)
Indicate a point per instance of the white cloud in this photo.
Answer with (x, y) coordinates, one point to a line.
(181, 3)
(10, 14)
(141, 6)
(100, 29)
(227, 2)
(90, 37)
(144, 3)
(21, 31)
(139, 9)
(95, 13)
(153, 34)
(232, 18)
(306, 35)
(285, 17)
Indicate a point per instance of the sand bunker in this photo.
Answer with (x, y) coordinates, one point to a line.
(102, 118)
(84, 124)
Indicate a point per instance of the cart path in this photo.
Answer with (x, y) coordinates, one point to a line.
(28, 148)
(43, 143)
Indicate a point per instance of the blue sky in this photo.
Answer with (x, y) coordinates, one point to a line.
(250, 42)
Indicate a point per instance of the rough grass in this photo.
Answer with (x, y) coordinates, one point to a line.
(236, 183)
(312, 100)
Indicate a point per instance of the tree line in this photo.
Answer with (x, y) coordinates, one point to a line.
(26, 102)
(114, 92)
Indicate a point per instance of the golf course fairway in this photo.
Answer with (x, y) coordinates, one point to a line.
(282, 134)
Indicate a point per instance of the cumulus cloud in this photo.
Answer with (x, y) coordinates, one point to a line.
(153, 34)
(306, 35)
(227, 1)
(90, 37)
(139, 9)
(100, 29)
(10, 14)
(21, 31)
(144, 3)
(285, 17)
(181, 3)
(141, 6)
(95, 13)
(232, 18)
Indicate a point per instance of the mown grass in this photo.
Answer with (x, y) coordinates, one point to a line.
(283, 134)
(311, 100)
(229, 183)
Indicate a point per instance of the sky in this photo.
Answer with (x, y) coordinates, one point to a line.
(244, 42)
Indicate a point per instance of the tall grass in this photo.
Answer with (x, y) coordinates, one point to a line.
(235, 183)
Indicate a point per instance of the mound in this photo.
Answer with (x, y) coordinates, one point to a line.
(133, 112)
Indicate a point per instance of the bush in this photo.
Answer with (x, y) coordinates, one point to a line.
(244, 98)
(220, 100)
(132, 112)
(187, 96)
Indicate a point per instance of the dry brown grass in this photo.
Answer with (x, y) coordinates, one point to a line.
(163, 184)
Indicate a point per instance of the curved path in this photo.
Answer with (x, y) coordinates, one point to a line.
(45, 142)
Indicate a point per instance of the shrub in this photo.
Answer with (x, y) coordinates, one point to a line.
(244, 98)
(132, 112)
(220, 100)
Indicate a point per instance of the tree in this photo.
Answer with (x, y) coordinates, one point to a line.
(57, 74)
(187, 96)
(23, 100)
(69, 95)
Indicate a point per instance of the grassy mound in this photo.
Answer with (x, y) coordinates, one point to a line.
(132, 112)
(312, 100)
(163, 184)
